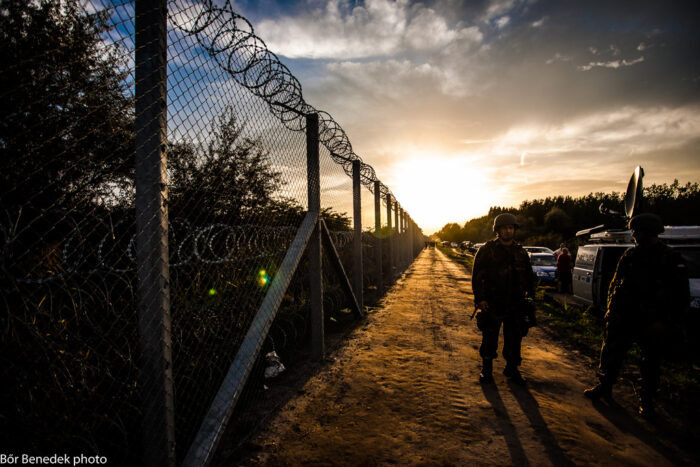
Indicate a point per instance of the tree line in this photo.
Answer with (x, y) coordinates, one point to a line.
(555, 220)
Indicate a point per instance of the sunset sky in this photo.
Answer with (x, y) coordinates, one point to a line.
(462, 105)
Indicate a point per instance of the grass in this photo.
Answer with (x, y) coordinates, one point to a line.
(464, 259)
(579, 327)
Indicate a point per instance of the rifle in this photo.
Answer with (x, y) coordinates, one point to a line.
(476, 308)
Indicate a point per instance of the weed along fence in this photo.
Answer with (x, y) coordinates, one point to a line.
(173, 212)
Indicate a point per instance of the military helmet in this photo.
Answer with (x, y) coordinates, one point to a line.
(649, 223)
(504, 219)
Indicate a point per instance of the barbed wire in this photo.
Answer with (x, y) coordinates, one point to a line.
(230, 39)
(216, 243)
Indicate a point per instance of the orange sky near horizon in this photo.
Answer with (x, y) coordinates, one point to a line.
(460, 106)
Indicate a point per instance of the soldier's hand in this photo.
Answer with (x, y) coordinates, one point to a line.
(483, 305)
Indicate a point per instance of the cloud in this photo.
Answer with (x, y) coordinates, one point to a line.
(497, 8)
(629, 130)
(611, 64)
(502, 22)
(377, 28)
(558, 58)
(539, 22)
(596, 152)
(543, 97)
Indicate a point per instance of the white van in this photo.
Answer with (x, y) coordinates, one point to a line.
(596, 262)
(595, 265)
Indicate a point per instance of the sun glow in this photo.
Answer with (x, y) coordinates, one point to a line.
(437, 190)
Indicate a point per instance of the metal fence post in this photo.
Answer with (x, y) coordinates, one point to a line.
(389, 239)
(156, 380)
(407, 240)
(399, 227)
(357, 237)
(377, 234)
(397, 238)
(314, 247)
(413, 240)
(414, 237)
(410, 240)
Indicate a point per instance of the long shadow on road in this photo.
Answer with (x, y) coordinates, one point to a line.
(627, 422)
(515, 447)
(531, 409)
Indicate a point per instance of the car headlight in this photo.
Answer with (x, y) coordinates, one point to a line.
(695, 302)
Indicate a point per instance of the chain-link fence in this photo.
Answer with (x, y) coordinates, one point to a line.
(161, 223)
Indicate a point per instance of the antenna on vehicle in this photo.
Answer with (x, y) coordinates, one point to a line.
(633, 197)
(632, 200)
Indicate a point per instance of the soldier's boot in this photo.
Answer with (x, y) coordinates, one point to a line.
(486, 375)
(603, 390)
(513, 374)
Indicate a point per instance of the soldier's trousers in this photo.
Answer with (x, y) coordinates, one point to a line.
(617, 342)
(512, 339)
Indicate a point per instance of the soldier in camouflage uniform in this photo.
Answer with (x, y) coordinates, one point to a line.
(504, 286)
(647, 302)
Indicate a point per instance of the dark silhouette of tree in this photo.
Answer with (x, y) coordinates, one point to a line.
(553, 220)
(450, 232)
(66, 122)
(228, 178)
(335, 220)
(558, 221)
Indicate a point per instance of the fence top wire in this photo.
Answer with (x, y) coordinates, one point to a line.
(230, 39)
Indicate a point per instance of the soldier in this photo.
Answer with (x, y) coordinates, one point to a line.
(647, 301)
(504, 286)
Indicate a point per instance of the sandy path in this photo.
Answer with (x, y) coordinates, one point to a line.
(404, 390)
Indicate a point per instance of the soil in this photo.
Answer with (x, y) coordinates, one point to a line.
(403, 389)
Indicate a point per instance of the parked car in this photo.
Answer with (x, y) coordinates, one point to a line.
(475, 247)
(544, 265)
(538, 249)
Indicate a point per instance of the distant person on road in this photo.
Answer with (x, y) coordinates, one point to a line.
(564, 267)
(504, 286)
(559, 250)
(647, 302)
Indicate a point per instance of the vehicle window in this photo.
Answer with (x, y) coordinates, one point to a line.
(691, 255)
(543, 260)
(585, 257)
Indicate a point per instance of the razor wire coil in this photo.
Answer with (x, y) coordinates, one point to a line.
(232, 42)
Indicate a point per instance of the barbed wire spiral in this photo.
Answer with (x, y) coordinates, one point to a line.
(230, 39)
(208, 244)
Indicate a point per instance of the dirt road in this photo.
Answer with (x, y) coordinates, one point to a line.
(403, 390)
